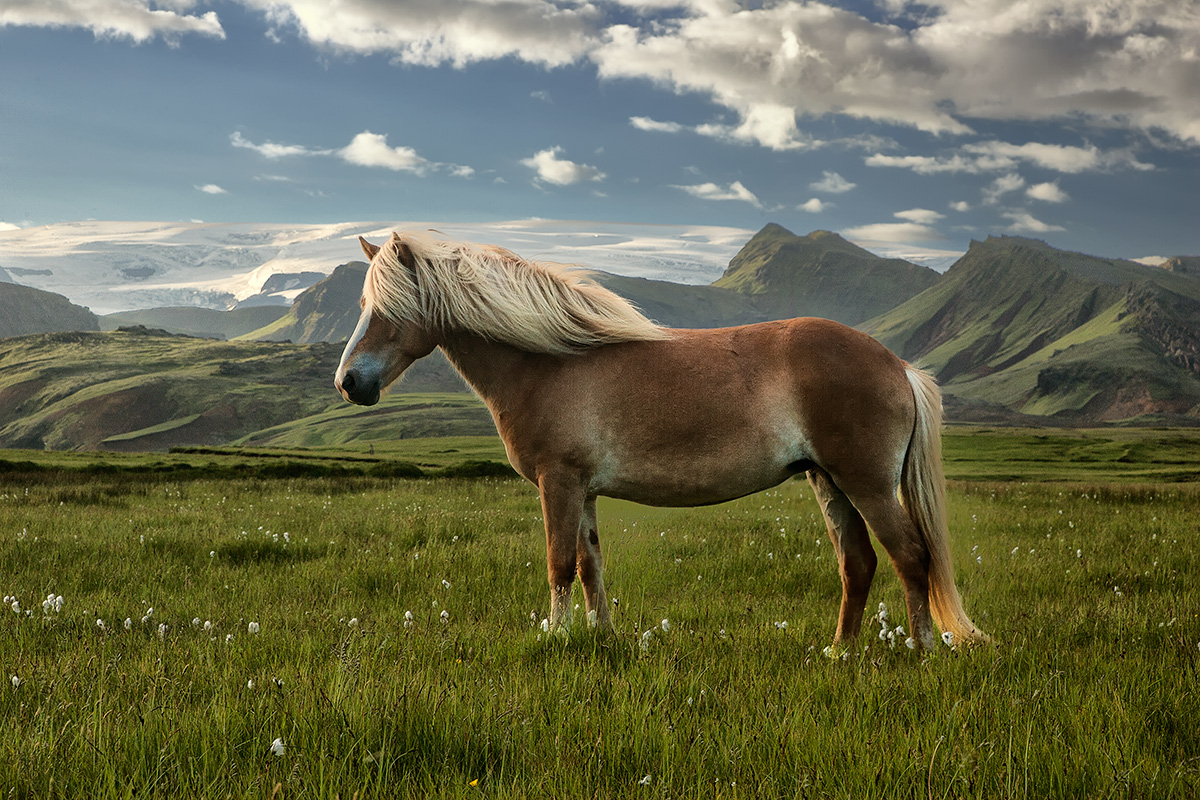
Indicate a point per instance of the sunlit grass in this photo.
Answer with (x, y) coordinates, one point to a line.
(1088, 589)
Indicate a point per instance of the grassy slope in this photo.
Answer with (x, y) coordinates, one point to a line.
(205, 322)
(124, 390)
(1042, 332)
(1088, 693)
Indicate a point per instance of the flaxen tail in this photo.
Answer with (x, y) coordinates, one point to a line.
(923, 492)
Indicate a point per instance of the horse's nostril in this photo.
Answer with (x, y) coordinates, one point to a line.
(348, 383)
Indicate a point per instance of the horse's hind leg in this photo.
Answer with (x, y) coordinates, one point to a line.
(563, 510)
(856, 557)
(910, 556)
(590, 564)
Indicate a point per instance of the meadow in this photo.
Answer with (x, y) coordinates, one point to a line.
(216, 630)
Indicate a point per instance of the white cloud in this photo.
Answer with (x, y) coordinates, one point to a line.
(137, 20)
(647, 124)
(894, 232)
(211, 188)
(813, 206)
(924, 165)
(1129, 64)
(1057, 157)
(960, 205)
(923, 216)
(1150, 261)
(435, 32)
(273, 149)
(1047, 192)
(560, 171)
(1003, 185)
(711, 191)
(832, 183)
(371, 150)
(1024, 222)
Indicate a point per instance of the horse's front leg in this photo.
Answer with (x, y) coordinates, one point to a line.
(563, 499)
(591, 568)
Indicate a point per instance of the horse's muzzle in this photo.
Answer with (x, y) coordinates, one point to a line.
(356, 389)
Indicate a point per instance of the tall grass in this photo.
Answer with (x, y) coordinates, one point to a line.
(1089, 591)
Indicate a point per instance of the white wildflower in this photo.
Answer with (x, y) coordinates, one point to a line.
(644, 781)
(253, 627)
(445, 616)
(353, 623)
(666, 625)
(948, 638)
(16, 681)
(408, 619)
(910, 643)
(277, 748)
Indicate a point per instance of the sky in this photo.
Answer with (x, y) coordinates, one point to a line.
(889, 121)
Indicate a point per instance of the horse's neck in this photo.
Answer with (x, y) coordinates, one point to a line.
(498, 372)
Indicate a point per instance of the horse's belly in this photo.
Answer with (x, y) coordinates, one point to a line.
(694, 484)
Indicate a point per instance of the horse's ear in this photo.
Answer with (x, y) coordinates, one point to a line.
(368, 248)
(404, 252)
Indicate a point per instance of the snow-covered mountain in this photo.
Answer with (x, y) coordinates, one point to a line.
(122, 266)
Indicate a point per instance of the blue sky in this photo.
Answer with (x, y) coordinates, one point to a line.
(1073, 121)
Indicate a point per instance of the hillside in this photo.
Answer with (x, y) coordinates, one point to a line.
(1055, 334)
(206, 323)
(24, 309)
(324, 312)
(138, 390)
(820, 275)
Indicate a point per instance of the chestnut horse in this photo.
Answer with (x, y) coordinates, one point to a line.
(591, 398)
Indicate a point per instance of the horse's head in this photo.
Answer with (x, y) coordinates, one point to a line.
(381, 347)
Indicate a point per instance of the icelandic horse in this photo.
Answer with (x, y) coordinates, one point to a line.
(591, 398)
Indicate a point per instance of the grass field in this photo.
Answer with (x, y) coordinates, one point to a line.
(278, 608)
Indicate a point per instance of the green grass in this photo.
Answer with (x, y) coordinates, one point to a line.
(1088, 588)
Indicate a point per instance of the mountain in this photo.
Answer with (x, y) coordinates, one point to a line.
(4, 276)
(324, 312)
(1184, 265)
(24, 309)
(136, 389)
(206, 323)
(821, 275)
(1056, 334)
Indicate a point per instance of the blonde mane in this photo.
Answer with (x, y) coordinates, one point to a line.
(537, 306)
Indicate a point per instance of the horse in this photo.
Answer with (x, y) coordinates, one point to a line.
(593, 399)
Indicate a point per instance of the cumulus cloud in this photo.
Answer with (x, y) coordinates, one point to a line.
(960, 206)
(831, 183)
(813, 206)
(137, 20)
(435, 32)
(211, 188)
(894, 232)
(995, 156)
(1024, 222)
(1126, 63)
(550, 168)
(923, 216)
(647, 124)
(711, 191)
(1047, 193)
(1005, 184)
(372, 150)
(366, 149)
(273, 149)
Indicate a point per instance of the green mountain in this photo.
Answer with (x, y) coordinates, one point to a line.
(1044, 332)
(820, 275)
(136, 389)
(324, 312)
(24, 309)
(206, 323)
